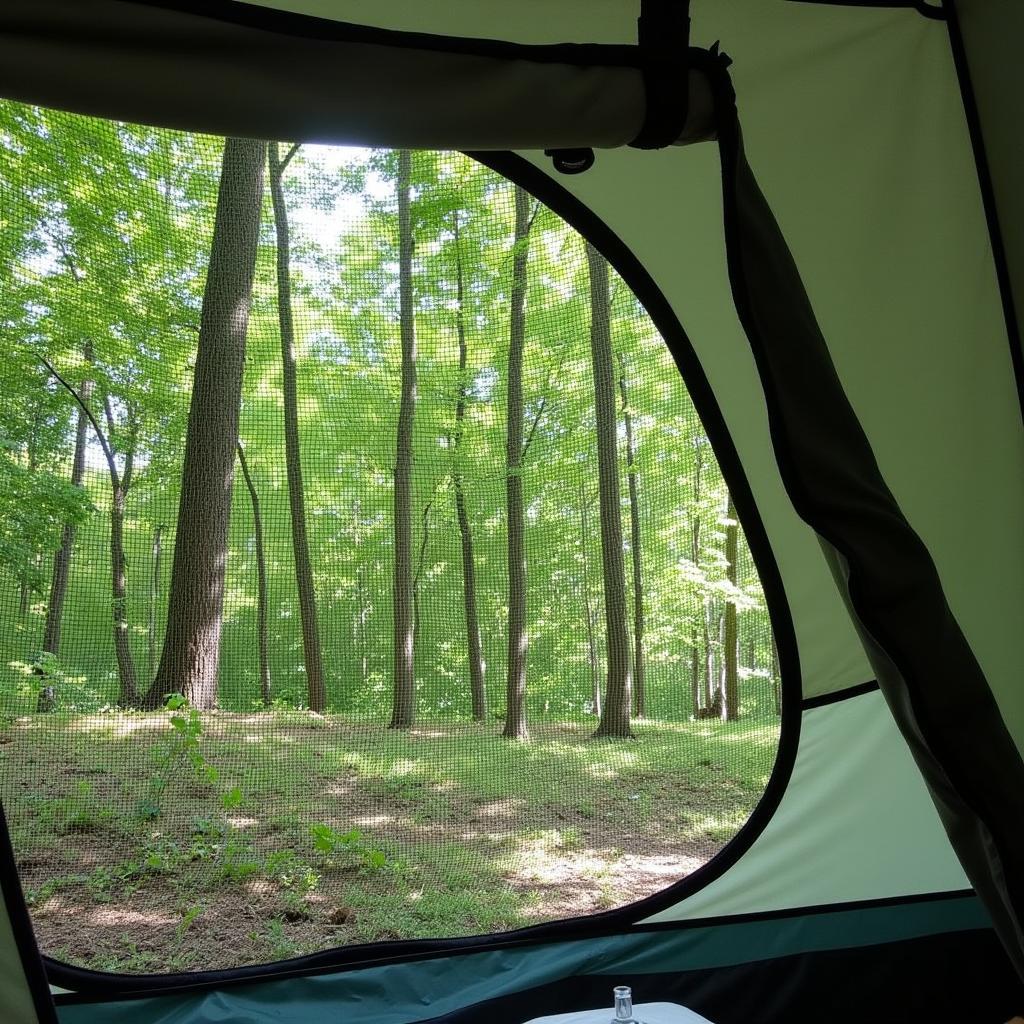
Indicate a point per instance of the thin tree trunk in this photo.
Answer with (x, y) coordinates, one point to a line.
(261, 580)
(403, 712)
(588, 611)
(190, 661)
(316, 693)
(417, 578)
(710, 698)
(700, 654)
(128, 690)
(776, 678)
(639, 668)
(730, 656)
(154, 597)
(515, 696)
(615, 717)
(477, 688)
(62, 558)
(29, 573)
(695, 672)
(362, 640)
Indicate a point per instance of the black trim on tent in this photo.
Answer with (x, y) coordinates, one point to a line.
(637, 278)
(21, 926)
(927, 671)
(988, 195)
(824, 699)
(88, 986)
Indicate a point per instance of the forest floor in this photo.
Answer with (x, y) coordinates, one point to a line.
(230, 839)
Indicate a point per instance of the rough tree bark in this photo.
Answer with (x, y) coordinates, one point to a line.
(120, 483)
(615, 716)
(477, 688)
(261, 579)
(316, 694)
(730, 638)
(515, 697)
(403, 712)
(62, 558)
(190, 660)
(639, 673)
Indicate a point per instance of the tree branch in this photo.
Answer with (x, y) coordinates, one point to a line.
(533, 426)
(66, 256)
(83, 405)
(277, 165)
(544, 401)
(288, 157)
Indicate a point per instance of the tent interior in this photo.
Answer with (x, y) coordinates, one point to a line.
(467, 543)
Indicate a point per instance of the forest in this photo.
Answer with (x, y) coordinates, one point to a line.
(349, 467)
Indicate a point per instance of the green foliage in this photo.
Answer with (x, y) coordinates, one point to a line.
(350, 844)
(104, 243)
(79, 811)
(65, 690)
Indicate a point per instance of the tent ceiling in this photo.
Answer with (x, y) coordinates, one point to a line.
(559, 21)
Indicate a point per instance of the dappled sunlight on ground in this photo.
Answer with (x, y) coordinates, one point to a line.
(294, 833)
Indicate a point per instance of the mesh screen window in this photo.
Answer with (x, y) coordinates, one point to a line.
(365, 570)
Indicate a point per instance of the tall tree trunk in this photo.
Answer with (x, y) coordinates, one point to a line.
(515, 695)
(261, 580)
(730, 637)
(639, 668)
(154, 597)
(190, 660)
(477, 688)
(316, 693)
(62, 557)
(615, 717)
(403, 712)
(588, 610)
(128, 696)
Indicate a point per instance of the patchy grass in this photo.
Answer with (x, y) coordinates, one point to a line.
(313, 832)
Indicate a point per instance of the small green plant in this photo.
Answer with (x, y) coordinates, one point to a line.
(161, 856)
(237, 861)
(188, 917)
(281, 947)
(330, 842)
(181, 747)
(79, 811)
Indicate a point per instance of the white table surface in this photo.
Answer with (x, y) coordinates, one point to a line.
(647, 1013)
